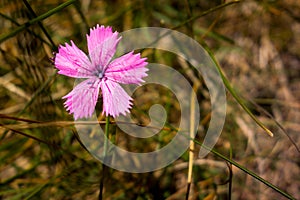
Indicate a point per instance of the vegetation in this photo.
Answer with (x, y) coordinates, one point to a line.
(255, 44)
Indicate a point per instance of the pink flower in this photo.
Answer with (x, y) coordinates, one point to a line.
(101, 72)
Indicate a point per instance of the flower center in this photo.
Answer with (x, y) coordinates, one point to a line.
(100, 75)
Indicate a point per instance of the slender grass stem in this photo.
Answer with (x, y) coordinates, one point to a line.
(192, 143)
(235, 95)
(206, 13)
(191, 19)
(40, 24)
(81, 14)
(100, 197)
(14, 32)
(31, 32)
(32, 100)
(247, 171)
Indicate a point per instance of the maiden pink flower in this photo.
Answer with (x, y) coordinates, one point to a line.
(101, 72)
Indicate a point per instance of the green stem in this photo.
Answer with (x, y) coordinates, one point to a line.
(247, 171)
(31, 32)
(28, 6)
(14, 32)
(192, 19)
(234, 94)
(206, 13)
(105, 150)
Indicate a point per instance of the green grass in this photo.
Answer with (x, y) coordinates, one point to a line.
(42, 157)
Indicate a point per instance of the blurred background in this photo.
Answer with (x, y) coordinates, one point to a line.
(257, 46)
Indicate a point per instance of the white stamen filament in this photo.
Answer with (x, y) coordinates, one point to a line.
(100, 75)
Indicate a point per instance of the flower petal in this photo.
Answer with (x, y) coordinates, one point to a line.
(102, 45)
(115, 100)
(83, 98)
(127, 69)
(73, 62)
